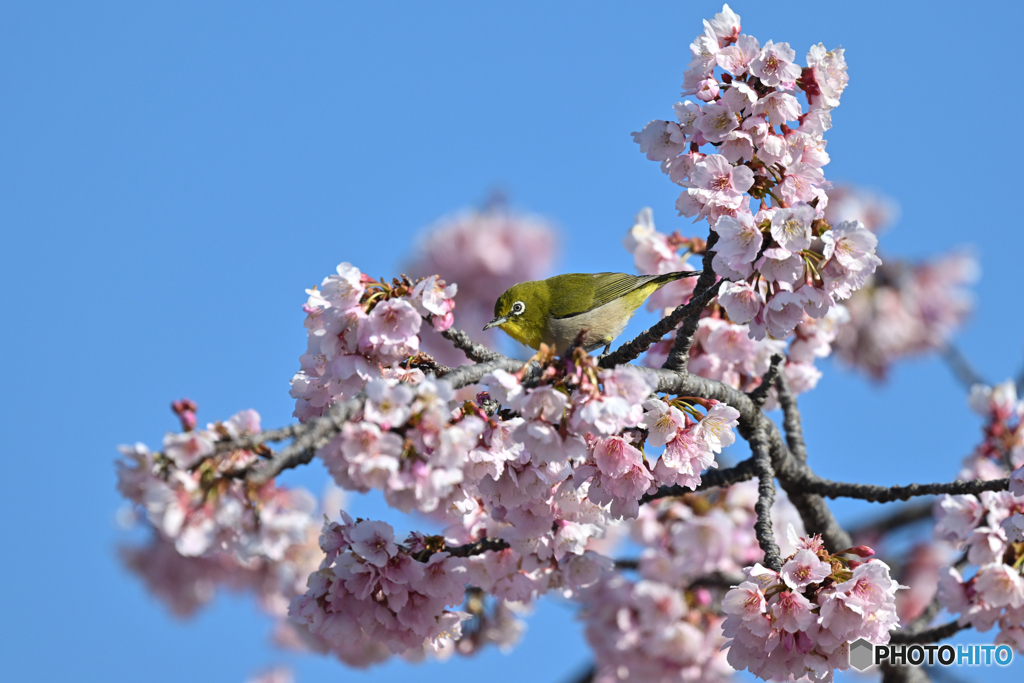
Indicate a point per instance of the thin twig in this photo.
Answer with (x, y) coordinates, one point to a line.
(587, 675)
(649, 337)
(477, 548)
(960, 366)
(920, 623)
(902, 516)
(742, 471)
(679, 356)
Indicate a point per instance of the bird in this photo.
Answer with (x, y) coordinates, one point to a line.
(590, 307)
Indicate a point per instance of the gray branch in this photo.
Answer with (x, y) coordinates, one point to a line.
(689, 311)
(760, 392)
(791, 421)
(473, 350)
(887, 494)
(930, 635)
(765, 498)
(679, 356)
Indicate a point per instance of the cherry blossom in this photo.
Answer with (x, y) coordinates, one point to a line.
(800, 623)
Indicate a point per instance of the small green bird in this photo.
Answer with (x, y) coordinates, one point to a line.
(555, 311)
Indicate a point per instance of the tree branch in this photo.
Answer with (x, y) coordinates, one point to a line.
(760, 393)
(930, 635)
(791, 421)
(886, 494)
(646, 339)
(473, 350)
(742, 471)
(765, 498)
(679, 356)
(789, 471)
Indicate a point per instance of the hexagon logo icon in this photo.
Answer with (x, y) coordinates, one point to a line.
(862, 654)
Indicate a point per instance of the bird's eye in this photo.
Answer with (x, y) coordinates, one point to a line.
(518, 308)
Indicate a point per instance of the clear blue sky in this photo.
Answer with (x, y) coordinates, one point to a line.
(173, 176)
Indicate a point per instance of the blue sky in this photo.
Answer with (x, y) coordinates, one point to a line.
(172, 177)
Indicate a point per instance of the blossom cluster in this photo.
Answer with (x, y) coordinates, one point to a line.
(652, 631)
(989, 526)
(430, 453)
(800, 620)
(701, 534)
(904, 308)
(992, 530)
(210, 529)
(194, 497)
(359, 329)
(1002, 447)
(485, 251)
(723, 349)
(369, 592)
(784, 260)
(409, 442)
(546, 468)
(663, 626)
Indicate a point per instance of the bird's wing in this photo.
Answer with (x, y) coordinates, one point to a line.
(603, 288)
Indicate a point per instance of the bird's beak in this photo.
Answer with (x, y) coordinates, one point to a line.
(500, 320)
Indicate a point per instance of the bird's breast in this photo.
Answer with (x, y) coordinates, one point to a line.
(602, 325)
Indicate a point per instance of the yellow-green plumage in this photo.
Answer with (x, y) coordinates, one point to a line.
(556, 310)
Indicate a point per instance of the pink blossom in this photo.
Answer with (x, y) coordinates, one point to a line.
(778, 108)
(828, 69)
(725, 24)
(717, 122)
(783, 312)
(614, 457)
(791, 228)
(188, 448)
(1017, 482)
(737, 147)
(774, 66)
(1000, 585)
(780, 265)
(391, 330)
(717, 426)
(803, 183)
(792, 612)
(340, 291)
(803, 569)
(851, 244)
(740, 300)
(739, 241)
(736, 59)
(373, 541)
(723, 180)
(387, 405)
(661, 140)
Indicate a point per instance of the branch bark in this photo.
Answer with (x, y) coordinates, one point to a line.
(679, 356)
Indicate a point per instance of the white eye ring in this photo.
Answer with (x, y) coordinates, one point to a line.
(518, 308)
